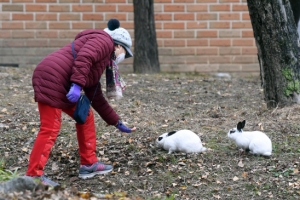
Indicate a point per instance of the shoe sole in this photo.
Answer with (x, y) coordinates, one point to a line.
(85, 176)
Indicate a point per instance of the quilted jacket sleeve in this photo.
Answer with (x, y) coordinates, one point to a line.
(100, 104)
(93, 50)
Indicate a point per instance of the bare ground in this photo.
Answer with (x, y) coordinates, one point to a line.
(156, 104)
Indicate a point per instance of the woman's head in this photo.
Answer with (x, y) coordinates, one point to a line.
(120, 36)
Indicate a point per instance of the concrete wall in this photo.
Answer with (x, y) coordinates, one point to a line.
(193, 35)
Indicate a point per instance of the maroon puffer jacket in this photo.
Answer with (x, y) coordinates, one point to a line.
(53, 76)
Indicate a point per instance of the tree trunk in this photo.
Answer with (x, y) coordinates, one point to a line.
(276, 40)
(295, 4)
(145, 45)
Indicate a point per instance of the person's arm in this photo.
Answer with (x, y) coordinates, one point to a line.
(106, 112)
(94, 50)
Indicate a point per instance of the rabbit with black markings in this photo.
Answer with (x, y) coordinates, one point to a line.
(255, 141)
(183, 141)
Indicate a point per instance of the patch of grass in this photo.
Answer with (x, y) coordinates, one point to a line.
(275, 148)
(251, 187)
(64, 133)
(170, 197)
(6, 175)
(167, 158)
(173, 159)
(216, 144)
(267, 186)
(167, 178)
(284, 173)
(2, 164)
(132, 147)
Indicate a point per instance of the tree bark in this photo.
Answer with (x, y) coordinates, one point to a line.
(295, 4)
(145, 45)
(276, 40)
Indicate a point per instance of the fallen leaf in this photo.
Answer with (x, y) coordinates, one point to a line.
(258, 193)
(197, 184)
(73, 179)
(245, 174)
(260, 126)
(183, 187)
(85, 195)
(217, 196)
(54, 166)
(240, 164)
(296, 171)
(120, 194)
(149, 164)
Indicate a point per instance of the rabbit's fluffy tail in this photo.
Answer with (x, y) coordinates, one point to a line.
(203, 149)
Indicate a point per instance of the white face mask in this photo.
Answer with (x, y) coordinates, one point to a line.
(120, 58)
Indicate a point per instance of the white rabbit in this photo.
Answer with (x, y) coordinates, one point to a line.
(255, 141)
(183, 141)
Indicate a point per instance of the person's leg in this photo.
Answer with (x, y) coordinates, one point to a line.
(50, 119)
(86, 136)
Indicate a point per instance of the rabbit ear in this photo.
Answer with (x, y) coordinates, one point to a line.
(240, 125)
(243, 123)
(171, 133)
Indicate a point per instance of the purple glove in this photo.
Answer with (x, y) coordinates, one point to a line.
(74, 93)
(122, 127)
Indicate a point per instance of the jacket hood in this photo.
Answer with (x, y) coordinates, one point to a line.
(92, 31)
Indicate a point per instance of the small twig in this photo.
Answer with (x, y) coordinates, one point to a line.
(274, 110)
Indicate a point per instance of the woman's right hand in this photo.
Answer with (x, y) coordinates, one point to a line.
(74, 93)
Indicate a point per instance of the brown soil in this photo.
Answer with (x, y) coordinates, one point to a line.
(155, 104)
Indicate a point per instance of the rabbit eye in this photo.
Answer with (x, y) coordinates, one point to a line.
(232, 131)
(160, 138)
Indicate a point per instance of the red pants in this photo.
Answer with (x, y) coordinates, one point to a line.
(50, 119)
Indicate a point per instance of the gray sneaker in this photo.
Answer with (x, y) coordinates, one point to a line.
(86, 171)
(45, 181)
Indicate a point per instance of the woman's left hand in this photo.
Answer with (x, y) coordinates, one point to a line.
(124, 128)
